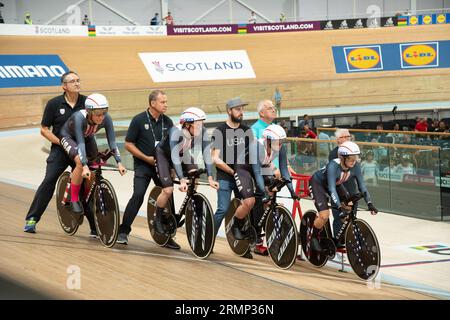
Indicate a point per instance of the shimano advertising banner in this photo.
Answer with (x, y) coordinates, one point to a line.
(31, 70)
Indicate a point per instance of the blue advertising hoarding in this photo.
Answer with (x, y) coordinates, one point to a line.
(30, 70)
(391, 56)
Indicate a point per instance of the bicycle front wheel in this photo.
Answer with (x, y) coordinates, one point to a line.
(363, 250)
(281, 235)
(67, 219)
(319, 259)
(160, 239)
(239, 247)
(106, 213)
(200, 225)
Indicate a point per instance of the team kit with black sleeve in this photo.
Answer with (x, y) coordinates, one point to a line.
(174, 151)
(327, 183)
(78, 137)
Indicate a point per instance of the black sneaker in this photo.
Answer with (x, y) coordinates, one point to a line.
(158, 224)
(76, 207)
(122, 238)
(315, 244)
(248, 255)
(171, 244)
(339, 245)
(237, 232)
(93, 234)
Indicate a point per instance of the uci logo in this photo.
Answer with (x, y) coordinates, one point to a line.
(363, 58)
(419, 55)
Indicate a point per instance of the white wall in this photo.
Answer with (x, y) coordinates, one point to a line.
(186, 11)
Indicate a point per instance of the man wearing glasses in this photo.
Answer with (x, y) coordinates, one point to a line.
(56, 113)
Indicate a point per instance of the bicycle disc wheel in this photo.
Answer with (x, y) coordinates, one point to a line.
(106, 213)
(200, 225)
(281, 235)
(239, 247)
(160, 239)
(306, 228)
(363, 250)
(67, 219)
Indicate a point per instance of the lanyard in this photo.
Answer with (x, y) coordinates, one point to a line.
(151, 127)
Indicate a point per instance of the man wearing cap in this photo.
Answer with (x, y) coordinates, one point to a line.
(230, 153)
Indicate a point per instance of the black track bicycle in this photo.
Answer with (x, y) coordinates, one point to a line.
(195, 213)
(279, 227)
(361, 244)
(100, 199)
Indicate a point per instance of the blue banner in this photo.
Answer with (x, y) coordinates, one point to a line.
(31, 70)
(392, 56)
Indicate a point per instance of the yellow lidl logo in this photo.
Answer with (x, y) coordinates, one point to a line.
(413, 20)
(419, 55)
(441, 18)
(363, 58)
(427, 19)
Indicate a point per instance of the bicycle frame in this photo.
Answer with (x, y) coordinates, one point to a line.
(189, 197)
(191, 189)
(96, 167)
(350, 218)
(278, 184)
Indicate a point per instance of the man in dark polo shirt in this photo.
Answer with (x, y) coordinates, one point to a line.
(56, 112)
(146, 130)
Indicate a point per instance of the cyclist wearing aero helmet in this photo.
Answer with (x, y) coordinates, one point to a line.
(174, 151)
(78, 140)
(270, 149)
(327, 183)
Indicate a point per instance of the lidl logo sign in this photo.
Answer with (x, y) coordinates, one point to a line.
(427, 19)
(363, 58)
(413, 20)
(441, 18)
(419, 55)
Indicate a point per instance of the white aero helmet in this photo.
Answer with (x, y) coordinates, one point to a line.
(96, 101)
(348, 148)
(192, 114)
(274, 132)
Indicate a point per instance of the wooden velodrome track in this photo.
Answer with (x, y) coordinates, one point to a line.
(142, 270)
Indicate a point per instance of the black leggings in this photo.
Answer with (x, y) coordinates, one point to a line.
(320, 194)
(163, 166)
(243, 175)
(71, 147)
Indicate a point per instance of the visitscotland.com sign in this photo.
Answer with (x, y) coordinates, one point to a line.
(197, 65)
(31, 70)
